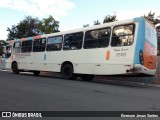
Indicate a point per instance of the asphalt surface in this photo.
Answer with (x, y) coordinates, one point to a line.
(25, 92)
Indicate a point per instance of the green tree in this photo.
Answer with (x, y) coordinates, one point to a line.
(85, 25)
(151, 17)
(2, 44)
(25, 28)
(12, 32)
(48, 25)
(96, 22)
(33, 26)
(110, 18)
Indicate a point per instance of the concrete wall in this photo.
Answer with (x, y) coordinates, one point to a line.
(0, 62)
(157, 77)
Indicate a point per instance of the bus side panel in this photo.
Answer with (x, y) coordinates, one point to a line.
(140, 40)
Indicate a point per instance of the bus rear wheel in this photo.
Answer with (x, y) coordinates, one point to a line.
(87, 77)
(15, 68)
(67, 72)
(36, 73)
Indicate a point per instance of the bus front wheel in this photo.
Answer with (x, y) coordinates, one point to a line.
(67, 72)
(15, 68)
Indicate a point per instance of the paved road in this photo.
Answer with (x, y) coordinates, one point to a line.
(26, 92)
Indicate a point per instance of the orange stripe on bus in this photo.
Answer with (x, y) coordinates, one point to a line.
(37, 37)
(11, 41)
(107, 55)
(22, 39)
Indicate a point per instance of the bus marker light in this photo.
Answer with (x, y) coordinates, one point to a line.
(107, 55)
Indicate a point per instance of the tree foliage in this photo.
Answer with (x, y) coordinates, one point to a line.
(33, 26)
(110, 18)
(151, 17)
(96, 22)
(2, 43)
(85, 25)
(48, 25)
(25, 28)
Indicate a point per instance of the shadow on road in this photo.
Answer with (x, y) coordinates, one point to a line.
(99, 80)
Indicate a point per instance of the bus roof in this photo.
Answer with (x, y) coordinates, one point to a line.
(110, 24)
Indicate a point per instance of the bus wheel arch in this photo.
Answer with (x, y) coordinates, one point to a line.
(14, 67)
(67, 70)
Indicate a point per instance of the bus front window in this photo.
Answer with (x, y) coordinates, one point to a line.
(7, 51)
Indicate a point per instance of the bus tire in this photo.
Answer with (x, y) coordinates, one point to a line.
(15, 68)
(67, 72)
(87, 77)
(36, 73)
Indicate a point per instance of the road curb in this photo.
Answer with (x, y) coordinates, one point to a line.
(127, 83)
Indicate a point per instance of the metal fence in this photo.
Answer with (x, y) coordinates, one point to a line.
(157, 77)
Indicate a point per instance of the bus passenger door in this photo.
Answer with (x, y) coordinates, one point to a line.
(38, 54)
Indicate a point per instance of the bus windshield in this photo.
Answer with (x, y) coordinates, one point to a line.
(7, 51)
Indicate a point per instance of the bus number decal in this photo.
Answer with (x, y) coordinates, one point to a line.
(120, 55)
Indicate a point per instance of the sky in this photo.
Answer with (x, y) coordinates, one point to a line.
(72, 14)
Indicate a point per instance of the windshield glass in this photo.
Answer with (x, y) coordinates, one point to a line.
(7, 51)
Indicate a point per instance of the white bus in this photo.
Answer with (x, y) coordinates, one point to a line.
(126, 47)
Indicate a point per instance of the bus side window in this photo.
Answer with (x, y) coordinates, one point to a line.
(39, 45)
(17, 47)
(73, 41)
(123, 36)
(27, 46)
(97, 38)
(54, 43)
